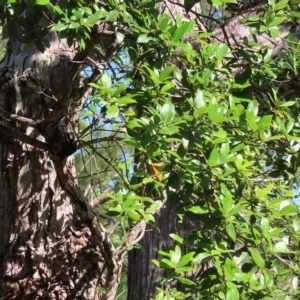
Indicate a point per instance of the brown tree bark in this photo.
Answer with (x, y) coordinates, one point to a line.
(143, 275)
(45, 250)
(52, 245)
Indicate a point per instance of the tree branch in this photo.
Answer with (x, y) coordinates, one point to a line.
(19, 119)
(13, 132)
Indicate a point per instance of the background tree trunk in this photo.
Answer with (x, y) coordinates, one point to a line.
(142, 273)
(45, 251)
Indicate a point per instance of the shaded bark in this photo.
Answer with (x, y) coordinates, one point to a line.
(142, 273)
(45, 250)
(54, 246)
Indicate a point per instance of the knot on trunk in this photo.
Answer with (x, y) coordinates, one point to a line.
(64, 141)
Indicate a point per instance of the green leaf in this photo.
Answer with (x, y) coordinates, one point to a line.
(202, 258)
(181, 31)
(153, 208)
(105, 80)
(120, 37)
(134, 215)
(290, 125)
(177, 238)
(227, 204)
(259, 261)
(280, 247)
(143, 38)
(77, 13)
(97, 17)
(74, 25)
(132, 143)
(281, 4)
(277, 21)
(265, 121)
(294, 4)
(175, 255)
(288, 103)
(184, 281)
(59, 27)
(198, 210)
(295, 283)
(167, 112)
(129, 200)
(199, 100)
(289, 210)
(112, 111)
(185, 259)
(253, 107)
(296, 224)
(232, 294)
(265, 225)
(231, 231)
(113, 14)
(165, 73)
(125, 100)
(159, 296)
(41, 2)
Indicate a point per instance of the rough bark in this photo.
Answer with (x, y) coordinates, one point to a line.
(49, 250)
(143, 274)
(45, 251)
(53, 245)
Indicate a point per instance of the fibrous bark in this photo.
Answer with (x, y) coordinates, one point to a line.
(53, 245)
(46, 252)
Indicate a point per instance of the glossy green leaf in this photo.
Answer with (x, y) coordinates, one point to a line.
(113, 14)
(143, 38)
(202, 258)
(59, 27)
(289, 210)
(113, 111)
(199, 100)
(231, 231)
(96, 17)
(105, 80)
(280, 247)
(167, 112)
(198, 210)
(177, 238)
(186, 259)
(295, 283)
(185, 281)
(288, 103)
(175, 256)
(227, 204)
(257, 258)
(181, 31)
(232, 294)
(159, 296)
(41, 2)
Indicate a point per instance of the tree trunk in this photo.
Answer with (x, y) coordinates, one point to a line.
(45, 250)
(142, 273)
